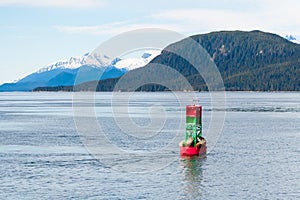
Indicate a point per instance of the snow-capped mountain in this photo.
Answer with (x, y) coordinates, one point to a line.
(133, 63)
(72, 63)
(78, 61)
(99, 60)
(64, 72)
(292, 39)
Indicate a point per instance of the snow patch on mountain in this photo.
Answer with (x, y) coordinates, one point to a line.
(292, 39)
(134, 63)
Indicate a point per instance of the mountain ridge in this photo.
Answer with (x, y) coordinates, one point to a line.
(251, 61)
(63, 72)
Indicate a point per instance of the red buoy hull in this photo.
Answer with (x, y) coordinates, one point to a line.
(193, 151)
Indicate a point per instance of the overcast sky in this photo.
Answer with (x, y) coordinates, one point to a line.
(34, 33)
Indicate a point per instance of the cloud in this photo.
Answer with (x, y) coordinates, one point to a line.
(113, 28)
(204, 19)
(54, 3)
(266, 15)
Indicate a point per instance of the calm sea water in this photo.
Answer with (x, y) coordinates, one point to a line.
(42, 155)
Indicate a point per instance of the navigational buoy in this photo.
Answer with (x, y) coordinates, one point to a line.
(193, 144)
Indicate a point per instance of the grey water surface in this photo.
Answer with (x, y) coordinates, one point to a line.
(257, 156)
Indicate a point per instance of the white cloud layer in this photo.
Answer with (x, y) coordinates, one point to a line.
(280, 17)
(54, 3)
(113, 28)
(267, 15)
